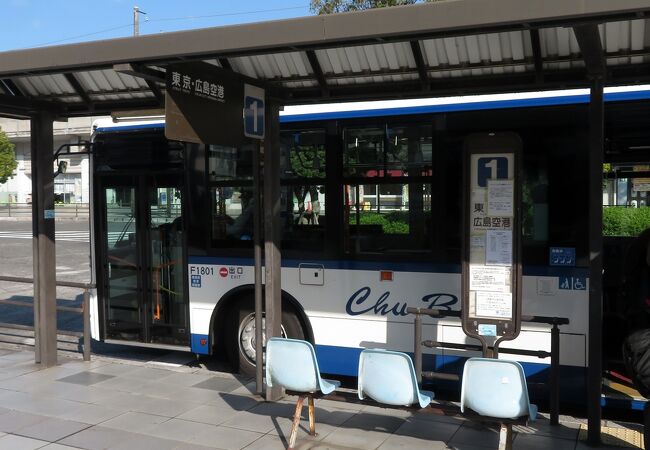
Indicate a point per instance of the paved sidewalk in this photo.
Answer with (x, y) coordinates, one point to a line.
(115, 404)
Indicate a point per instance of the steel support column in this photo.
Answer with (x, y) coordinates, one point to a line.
(272, 257)
(257, 242)
(594, 373)
(42, 144)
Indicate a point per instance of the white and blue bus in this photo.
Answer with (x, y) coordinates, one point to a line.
(371, 225)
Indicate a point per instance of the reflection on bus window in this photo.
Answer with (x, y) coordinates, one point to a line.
(303, 191)
(626, 199)
(302, 154)
(233, 208)
(398, 221)
(230, 163)
(303, 217)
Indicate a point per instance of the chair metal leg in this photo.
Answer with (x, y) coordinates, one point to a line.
(505, 437)
(296, 422)
(312, 417)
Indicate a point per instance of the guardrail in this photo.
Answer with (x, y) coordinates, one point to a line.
(554, 382)
(63, 211)
(84, 310)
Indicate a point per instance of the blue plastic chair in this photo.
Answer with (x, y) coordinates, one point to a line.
(291, 363)
(496, 389)
(389, 377)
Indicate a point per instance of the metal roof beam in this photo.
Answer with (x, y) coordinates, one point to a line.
(419, 62)
(537, 54)
(155, 90)
(140, 71)
(76, 85)
(9, 86)
(318, 71)
(435, 19)
(588, 38)
(28, 106)
(225, 63)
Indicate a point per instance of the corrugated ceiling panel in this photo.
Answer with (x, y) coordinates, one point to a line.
(367, 58)
(272, 66)
(45, 85)
(623, 37)
(487, 49)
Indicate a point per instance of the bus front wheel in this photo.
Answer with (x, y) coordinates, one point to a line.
(242, 339)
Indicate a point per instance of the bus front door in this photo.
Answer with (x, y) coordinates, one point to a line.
(143, 284)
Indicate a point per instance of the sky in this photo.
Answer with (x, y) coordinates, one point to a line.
(39, 23)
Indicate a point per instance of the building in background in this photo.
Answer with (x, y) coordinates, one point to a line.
(70, 187)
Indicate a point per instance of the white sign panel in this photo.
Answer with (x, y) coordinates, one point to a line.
(489, 278)
(498, 251)
(494, 304)
(500, 197)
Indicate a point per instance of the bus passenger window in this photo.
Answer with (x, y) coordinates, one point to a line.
(387, 218)
(232, 214)
(302, 190)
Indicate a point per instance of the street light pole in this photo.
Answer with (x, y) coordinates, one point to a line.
(136, 20)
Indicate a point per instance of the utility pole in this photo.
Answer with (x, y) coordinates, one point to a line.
(136, 20)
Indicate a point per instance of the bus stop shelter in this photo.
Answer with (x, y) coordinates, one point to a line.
(433, 49)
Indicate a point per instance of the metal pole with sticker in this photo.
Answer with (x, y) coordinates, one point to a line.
(491, 266)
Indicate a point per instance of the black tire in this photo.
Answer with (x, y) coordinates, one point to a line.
(239, 346)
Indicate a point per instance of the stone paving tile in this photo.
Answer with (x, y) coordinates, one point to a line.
(121, 384)
(542, 427)
(356, 438)
(15, 420)
(259, 423)
(135, 422)
(187, 379)
(149, 374)
(270, 442)
(143, 442)
(58, 447)
(97, 438)
(163, 407)
(210, 414)
(225, 438)
(161, 390)
(115, 369)
(533, 442)
(475, 435)
(13, 442)
(86, 378)
(91, 414)
(188, 446)
(219, 384)
(201, 396)
(51, 430)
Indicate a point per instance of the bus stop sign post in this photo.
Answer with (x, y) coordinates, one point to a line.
(491, 269)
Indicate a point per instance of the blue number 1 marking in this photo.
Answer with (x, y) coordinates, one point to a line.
(492, 169)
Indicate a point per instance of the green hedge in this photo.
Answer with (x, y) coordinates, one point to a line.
(395, 222)
(621, 221)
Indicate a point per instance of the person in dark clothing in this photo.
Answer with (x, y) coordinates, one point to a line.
(636, 295)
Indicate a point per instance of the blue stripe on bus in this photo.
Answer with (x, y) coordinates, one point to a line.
(475, 106)
(142, 126)
(422, 267)
(429, 109)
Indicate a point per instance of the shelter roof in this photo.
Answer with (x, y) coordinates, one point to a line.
(449, 47)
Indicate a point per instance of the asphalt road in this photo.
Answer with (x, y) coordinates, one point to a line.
(72, 264)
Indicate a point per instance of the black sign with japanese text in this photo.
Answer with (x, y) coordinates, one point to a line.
(204, 105)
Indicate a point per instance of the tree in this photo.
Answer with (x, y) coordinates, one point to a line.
(337, 6)
(7, 158)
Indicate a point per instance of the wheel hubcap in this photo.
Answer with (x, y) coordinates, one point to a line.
(247, 336)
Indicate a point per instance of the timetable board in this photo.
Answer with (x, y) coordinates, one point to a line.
(491, 272)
